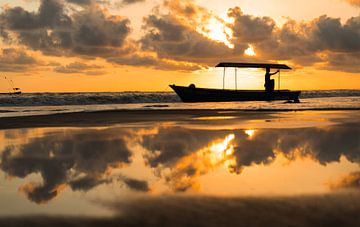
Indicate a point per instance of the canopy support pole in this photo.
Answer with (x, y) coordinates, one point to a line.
(235, 78)
(224, 79)
(279, 81)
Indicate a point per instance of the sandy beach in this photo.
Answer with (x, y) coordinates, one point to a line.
(103, 118)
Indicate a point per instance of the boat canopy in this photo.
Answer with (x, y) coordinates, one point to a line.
(252, 65)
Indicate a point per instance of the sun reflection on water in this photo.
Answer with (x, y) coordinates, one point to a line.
(250, 132)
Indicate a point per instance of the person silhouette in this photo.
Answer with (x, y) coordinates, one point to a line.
(269, 83)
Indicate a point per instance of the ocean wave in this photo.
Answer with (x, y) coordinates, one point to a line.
(63, 99)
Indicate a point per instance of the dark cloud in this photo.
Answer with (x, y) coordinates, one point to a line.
(137, 185)
(169, 38)
(128, 2)
(323, 40)
(50, 14)
(320, 40)
(93, 28)
(90, 31)
(17, 19)
(16, 60)
(250, 29)
(134, 60)
(329, 34)
(154, 62)
(176, 40)
(343, 62)
(86, 183)
(78, 159)
(78, 67)
(80, 2)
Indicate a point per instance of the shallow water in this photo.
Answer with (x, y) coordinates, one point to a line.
(29, 104)
(328, 103)
(78, 170)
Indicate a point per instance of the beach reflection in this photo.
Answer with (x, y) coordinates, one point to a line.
(168, 158)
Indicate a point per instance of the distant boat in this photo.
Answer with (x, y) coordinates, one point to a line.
(194, 94)
(13, 90)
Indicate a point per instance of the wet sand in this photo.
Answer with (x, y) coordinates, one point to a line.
(325, 210)
(104, 118)
(107, 118)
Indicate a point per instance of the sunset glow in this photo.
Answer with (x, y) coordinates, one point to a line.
(250, 132)
(250, 51)
(147, 45)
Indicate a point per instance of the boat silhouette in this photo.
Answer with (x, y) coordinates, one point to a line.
(194, 94)
(13, 90)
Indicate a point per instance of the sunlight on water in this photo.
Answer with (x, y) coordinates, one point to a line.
(250, 132)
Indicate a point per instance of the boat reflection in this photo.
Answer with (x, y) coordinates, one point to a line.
(183, 159)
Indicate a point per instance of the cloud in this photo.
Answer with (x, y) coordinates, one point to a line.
(87, 182)
(90, 31)
(250, 29)
(137, 185)
(128, 2)
(180, 35)
(78, 159)
(80, 2)
(50, 14)
(354, 2)
(170, 39)
(154, 62)
(343, 62)
(16, 60)
(304, 43)
(78, 67)
(176, 36)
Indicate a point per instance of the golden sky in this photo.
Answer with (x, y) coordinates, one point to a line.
(145, 45)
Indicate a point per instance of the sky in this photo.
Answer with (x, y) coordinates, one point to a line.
(145, 45)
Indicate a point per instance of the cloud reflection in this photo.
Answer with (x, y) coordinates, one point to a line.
(79, 159)
(350, 181)
(179, 156)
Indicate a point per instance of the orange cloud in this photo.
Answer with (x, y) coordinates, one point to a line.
(350, 181)
(354, 2)
(178, 35)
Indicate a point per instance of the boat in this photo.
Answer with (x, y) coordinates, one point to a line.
(194, 94)
(14, 90)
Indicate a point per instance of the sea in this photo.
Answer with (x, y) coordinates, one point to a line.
(28, 104)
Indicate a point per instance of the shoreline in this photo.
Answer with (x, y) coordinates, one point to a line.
(110, 117)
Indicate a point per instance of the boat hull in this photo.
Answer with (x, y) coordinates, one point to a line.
(193, 94)
(11, 93)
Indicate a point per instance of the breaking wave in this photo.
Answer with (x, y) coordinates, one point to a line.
(63, 99)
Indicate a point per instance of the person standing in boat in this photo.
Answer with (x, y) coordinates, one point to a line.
(269, 83)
